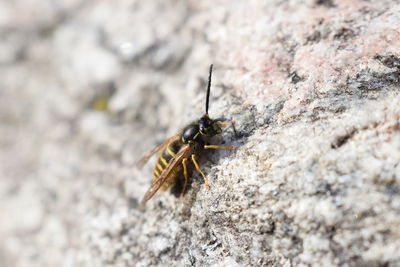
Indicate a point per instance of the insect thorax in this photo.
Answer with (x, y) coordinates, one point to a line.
(191, 133)
(201, 130)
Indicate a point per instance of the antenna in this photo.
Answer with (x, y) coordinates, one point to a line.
(208, 88)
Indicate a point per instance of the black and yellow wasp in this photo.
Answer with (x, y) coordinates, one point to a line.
(178, 150)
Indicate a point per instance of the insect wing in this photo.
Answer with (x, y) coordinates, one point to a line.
(184, 152)
(158, 148)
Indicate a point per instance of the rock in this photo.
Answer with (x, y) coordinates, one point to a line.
(88, 87)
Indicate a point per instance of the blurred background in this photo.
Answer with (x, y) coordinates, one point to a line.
(88, 86)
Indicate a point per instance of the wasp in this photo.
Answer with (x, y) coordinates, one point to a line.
(183, 148)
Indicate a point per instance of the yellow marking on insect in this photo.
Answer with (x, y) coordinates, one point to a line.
(198, 169)
(170, 152)
(184, 162)
(163, 161)
(219, 147)
(156, 172)
(158, 165)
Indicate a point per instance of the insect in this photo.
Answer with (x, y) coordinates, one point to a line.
(181, 149)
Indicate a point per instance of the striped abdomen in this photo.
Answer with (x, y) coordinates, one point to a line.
(164, 160)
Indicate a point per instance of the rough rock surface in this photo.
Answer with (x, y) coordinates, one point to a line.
(88, 86)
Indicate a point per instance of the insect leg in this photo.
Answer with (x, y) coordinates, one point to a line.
(219, 147)
(234, 128)
(184, 163)
(222, 123)
(198, 169)
(226, 123)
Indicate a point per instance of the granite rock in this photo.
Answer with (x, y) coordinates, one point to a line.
(88, 87)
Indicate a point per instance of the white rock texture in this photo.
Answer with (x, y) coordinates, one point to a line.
(88, 86)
